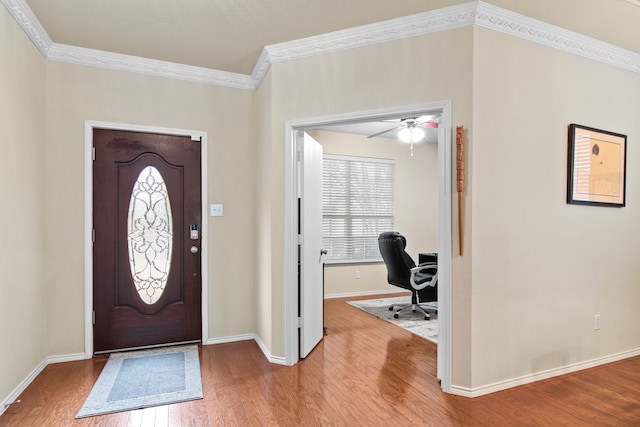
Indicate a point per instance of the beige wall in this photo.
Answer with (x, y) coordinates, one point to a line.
(263, 260)
(77, 93)
(543, 268)
(23, 296)
(534, 272)
(416, 205)
(346, 82)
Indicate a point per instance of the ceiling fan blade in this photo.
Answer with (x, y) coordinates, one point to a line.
(385, 131)
(428, 121)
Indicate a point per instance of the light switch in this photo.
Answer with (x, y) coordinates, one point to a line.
(217, 210)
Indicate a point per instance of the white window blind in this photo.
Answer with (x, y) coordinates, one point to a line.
(357, 205)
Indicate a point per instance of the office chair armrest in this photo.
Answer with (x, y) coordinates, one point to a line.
(427, 268)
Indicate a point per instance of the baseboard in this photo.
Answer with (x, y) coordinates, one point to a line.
(245, 337)
(362, 294)
(33, 374)
(230, 338)
(66, 358)
(457, 390)
(543, 375)
(81, 356)
(271, 358)
(4, 405)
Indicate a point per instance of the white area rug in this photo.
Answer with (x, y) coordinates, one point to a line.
(145, 378)
(413, 322)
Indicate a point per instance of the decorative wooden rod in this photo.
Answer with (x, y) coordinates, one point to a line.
(460, 182)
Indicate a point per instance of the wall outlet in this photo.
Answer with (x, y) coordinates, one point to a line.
(596, 322)
(357, 274)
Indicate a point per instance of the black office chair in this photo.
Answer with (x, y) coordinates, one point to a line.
(421, 280)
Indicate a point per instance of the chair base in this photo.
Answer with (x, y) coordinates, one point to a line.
(414, 307)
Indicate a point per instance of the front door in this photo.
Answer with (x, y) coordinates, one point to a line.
(146, 251)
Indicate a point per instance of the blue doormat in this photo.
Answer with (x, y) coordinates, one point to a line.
(141, 379)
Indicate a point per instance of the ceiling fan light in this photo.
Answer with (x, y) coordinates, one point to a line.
(411, 134)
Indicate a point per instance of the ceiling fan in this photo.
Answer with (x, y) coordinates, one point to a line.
(412, 129)
(415, 127)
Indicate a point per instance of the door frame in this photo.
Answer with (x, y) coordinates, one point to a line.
(444, 223)
(89, 125)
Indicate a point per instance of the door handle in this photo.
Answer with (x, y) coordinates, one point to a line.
(322, 252)
(194, 249)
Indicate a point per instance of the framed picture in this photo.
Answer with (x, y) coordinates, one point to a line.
(597, 167)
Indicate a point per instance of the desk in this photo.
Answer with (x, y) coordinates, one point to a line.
(427, 257)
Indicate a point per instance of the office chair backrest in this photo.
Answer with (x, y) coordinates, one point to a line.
(399, 264)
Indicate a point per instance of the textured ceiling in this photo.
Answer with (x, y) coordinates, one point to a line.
(228, 35)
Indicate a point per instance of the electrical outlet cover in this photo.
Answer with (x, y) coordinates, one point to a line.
(217, 210)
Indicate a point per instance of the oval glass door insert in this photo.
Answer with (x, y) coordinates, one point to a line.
(150, 235)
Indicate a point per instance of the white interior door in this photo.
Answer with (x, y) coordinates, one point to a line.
(311, 280)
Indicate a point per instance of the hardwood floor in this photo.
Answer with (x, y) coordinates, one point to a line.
(366, 372)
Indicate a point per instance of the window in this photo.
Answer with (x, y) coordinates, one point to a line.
(150, 234)
(357, 205)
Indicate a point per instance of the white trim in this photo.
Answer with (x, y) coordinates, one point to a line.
(230, 338)
(88, 237)
(11, 398)
(61, 358)
(261, 68)
(88, 219)
(151, 67)
(204, 229)
(291, 338)
(393, 29)
(516, 25)
(466, 14)
(333, 262)
(445, 143)
(359, 159)
(542, 375)
(362, 294)
(444, 223)
(271, 358)
(460, 391)
(247, 337)
(32, 27)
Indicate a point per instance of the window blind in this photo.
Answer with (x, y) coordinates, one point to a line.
(357, 205)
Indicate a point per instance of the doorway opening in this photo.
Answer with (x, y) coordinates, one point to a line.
(294, 169)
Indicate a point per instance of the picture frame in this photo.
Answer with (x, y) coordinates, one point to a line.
(597, 163)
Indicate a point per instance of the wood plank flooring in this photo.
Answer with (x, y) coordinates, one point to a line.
(366, 372)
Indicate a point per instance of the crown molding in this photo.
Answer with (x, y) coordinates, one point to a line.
(393, 29)
(516, 25)
(153, 67)
(262, 66)
(30, 24)
(25, 17)
(474, 13)
(409, 26)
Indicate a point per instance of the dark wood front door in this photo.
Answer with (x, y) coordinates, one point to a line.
(146, 252)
